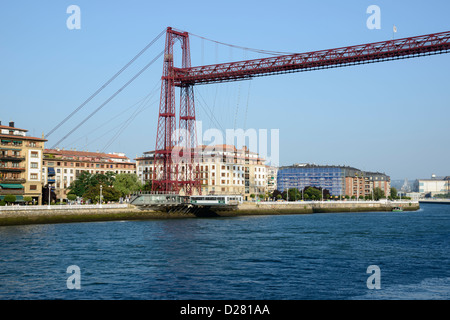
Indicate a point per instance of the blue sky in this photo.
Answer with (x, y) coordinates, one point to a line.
(391, 117)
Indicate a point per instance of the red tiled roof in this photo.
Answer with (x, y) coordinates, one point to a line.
(8, 127)
(11, 136)
(83, 154)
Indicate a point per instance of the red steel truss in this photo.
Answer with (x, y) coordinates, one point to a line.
(173, 160)
(166, 174)
(367, 53)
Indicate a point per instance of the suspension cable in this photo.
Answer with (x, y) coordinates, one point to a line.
(106, 84)
(110, 98)
(268, 52)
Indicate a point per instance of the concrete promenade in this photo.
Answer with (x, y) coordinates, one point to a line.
(23, 215)
(436, 201)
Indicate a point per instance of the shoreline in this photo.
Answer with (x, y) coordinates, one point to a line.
(53, 216)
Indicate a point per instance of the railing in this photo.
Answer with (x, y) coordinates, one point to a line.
(383, 201)
(8, 168)
(64, 207)
(139, 193)
(12, 157)
(12, 180)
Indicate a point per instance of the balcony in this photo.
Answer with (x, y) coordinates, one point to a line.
(12, 157)
(10, 143)
(15, 192)
(6, 167)
(12, 180)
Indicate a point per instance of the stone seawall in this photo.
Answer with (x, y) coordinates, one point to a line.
(324, 207)
(45, 216)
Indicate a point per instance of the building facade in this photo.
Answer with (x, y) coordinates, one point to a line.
(221, 169)
(20, 164)
(435, 185)
(62, 167)
(338, 180)
(271, 178)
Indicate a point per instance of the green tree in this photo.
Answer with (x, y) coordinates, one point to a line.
(81, 184)
(127, 183)
(71, 196)
(27, 199)
(147, 186)
(378, 194)
(103, 179)
(394, 194)
(312, 193)
(294, 194)
(108, 194)
(9, 198)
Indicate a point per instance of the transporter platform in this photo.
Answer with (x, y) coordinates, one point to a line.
(171, 202)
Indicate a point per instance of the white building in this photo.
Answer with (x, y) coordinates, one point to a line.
(435, 185)
(222, 169)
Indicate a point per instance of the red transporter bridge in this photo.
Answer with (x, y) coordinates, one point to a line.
(173, 169)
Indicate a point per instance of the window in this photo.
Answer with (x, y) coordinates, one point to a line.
(34, 165)
(34, 154)
(33, 187)
(33, 176)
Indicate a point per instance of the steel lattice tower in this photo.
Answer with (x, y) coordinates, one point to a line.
(173, 167)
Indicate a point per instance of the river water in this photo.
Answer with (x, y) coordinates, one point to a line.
(290, 257)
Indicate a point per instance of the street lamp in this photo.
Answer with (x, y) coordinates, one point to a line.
(49, 193)
(101, 188)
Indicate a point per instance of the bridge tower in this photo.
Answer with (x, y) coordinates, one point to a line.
(174, 169)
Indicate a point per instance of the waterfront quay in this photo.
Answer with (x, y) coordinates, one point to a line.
(24, 215)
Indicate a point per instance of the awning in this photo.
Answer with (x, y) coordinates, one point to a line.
(11, 186)
(18, 198)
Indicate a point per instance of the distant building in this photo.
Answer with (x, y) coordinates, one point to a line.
(338, 180)
(222, 169)
(20, 164)
(62, 167)
(435, 185)
(272, 178)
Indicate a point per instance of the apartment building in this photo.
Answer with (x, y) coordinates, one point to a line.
(339, 180)
(222, 169)
(20, 164)
(62, 167)
(271, 178)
